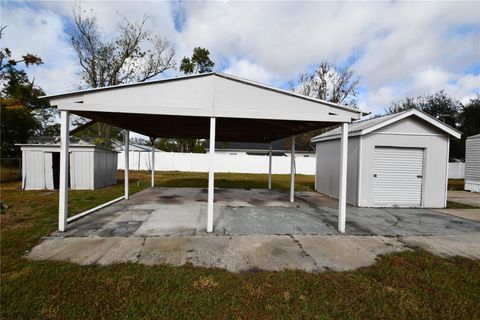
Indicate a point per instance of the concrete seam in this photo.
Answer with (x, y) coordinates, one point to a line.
(139, 254)
(305, 253)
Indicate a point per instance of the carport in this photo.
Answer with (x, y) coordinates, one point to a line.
(212, 106)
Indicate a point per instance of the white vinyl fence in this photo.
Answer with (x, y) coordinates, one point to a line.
(198, 162)
(456, 170)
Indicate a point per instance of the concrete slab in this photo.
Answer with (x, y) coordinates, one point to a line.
(172, 220)
(469, 214)
(446, 246)
(464, 197)
(86, 251)
(272, 253)
(271, 221)
(400, 222)
(223, 197)
(178, 212)
(342, 253)
(253, 229)
(248, 253)
(165, 250)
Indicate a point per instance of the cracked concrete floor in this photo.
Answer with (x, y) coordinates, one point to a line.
(253, 229)
(248, 253)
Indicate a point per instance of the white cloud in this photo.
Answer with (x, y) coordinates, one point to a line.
(249, 70)
(40, 32)
(428, 80)
(400, 48)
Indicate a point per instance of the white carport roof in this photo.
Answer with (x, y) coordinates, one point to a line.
(212, 106)
(181, 107)
(366, 126)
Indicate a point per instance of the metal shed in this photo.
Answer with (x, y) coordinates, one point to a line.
(396, 160)
(91, 167)
(472, 163)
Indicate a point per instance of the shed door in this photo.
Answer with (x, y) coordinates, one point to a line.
(398, 177)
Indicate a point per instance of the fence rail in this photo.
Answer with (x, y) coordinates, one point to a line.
(456, 170)
(239, 163)
(198, 162)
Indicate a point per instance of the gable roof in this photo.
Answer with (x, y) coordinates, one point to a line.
(219, 74)
(363, 127)
(181, 107)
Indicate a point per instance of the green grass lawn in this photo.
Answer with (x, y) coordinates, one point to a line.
(400, 286)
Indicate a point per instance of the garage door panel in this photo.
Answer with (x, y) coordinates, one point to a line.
(398, 176)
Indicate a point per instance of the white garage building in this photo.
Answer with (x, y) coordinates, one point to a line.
(399, 160)
(91, 167)
(472, 163)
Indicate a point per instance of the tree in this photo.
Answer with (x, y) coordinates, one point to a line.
(440, 106)
(132, 55)
(181, 145)
(468, 124)
(469, 117)
(327, 82)
(199, 62)
(23, 113)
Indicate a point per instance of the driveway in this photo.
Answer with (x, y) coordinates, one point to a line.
(253, 229)
(182, 212)
(464, 197)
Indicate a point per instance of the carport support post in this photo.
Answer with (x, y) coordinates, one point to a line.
(292, 171)
(63, 187)
(153, 162)
(342, 194)
(211, 158)
(126, 148)
(270, 167)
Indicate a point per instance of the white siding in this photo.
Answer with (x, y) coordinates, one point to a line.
(85, 173)
(34, 170)
(407, 133)
(472, 164)
(328, 168)
(105, 169)
(81, 167)
(48, 171)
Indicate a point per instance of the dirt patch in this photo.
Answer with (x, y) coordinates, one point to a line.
(170, 199)
(257, 202)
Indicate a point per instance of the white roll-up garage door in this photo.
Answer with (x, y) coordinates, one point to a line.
(397, 177)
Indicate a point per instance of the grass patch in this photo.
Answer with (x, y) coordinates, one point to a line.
(401, 286)
(456, 184)
(457, 205)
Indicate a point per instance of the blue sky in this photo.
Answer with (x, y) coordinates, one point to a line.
(398, 49)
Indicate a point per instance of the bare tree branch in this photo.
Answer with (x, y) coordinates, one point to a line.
(133, 55)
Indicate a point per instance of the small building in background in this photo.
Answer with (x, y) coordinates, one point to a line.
(472, 163)
(396, 160)
(91, 167)
(260, 149)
